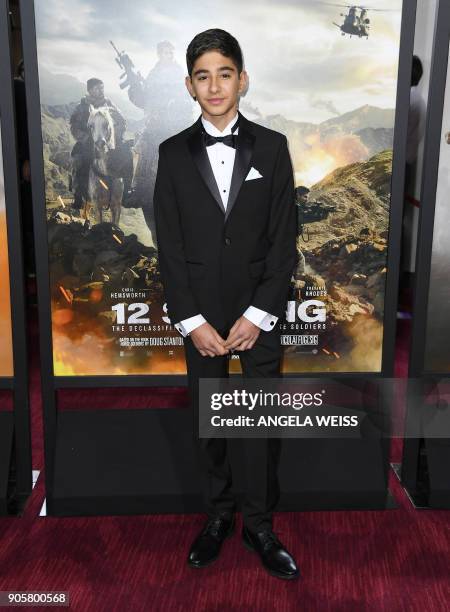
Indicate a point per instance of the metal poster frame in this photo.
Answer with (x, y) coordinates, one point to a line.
(51, 383)
(18, 382)
(411, 464)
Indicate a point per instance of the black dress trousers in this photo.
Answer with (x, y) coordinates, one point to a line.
(260, 455)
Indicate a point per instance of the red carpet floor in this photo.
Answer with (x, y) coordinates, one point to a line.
(396, 560)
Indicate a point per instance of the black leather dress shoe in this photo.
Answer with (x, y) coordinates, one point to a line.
(206, 546)
(275, 558)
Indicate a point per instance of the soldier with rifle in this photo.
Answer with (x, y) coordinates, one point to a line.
(309, 212)
(167, 110)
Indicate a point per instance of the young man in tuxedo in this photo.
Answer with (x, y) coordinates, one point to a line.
(226, 229)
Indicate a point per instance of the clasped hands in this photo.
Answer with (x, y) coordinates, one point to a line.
(209, 342)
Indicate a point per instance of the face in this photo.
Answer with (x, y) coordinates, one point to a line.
(98, 91)
(166, 55)
(216, 84)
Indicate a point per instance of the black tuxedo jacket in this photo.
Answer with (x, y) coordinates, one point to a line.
(215, 262)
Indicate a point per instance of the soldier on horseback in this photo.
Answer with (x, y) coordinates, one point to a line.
(83, 150)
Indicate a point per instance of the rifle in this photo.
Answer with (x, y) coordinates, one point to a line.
(125, 63)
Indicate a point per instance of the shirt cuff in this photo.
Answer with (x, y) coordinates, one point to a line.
(260, 318)
(186, 326)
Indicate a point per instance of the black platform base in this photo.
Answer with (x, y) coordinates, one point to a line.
(423, 498)
(124, 462)
(144, 461)
(6, 445)
(335, 474)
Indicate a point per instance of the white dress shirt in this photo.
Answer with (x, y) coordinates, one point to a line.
(221, 158)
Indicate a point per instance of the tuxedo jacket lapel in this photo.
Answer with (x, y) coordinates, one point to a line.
(244, 152)
(201, 159)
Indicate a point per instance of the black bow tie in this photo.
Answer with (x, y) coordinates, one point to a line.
(230, 139)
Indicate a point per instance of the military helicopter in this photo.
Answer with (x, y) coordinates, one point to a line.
(355, 24)
(356, 20)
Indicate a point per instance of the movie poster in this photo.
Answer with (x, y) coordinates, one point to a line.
(437, 351)
(6, 352)
(325, 75)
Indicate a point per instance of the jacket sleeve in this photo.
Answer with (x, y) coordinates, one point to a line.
(181, 303)
(136, 94)
(78, 124)
(272, 292)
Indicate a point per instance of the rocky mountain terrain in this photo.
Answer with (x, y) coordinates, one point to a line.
(361, 194)
(346, 257)
(361, 118)
(57, 145)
